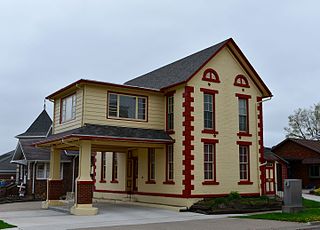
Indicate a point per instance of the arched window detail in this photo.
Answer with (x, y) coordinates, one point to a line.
(241, 81)
(210, 75)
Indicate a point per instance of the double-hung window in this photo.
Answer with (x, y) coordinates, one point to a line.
(209, 163)
(127, 107)
(114, 167)
(244, 162)
(243, 115)
(103, 166)
(68, 108)
(151, 165)
(208, 111)
(170, 169)
(170, 116)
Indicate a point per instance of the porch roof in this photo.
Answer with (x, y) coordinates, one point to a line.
(108, 132)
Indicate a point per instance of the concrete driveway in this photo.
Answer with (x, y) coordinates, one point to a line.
(126, 216)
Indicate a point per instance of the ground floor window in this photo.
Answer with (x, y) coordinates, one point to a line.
(151, 164)
(244, 162)
(43, 171)
(169, 173)
(103, 166)
(209, 162)
(314, 171)
(114, 166)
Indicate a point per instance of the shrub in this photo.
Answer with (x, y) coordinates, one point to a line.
(234, 195)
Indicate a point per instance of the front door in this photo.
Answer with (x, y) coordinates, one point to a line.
(270, 178)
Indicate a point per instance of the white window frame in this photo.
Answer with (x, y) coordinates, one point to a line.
(72, 107)
(137, 111)
(47, 171)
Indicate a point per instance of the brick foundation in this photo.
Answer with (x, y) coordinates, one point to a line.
(55, 189)
(84, 192)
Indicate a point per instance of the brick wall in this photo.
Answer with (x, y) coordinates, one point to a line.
(84, 192)
(291, 150)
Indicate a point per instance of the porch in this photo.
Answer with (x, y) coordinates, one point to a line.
(89, 140)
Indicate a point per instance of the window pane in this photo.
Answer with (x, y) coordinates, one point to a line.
(40, 171)
(127, 107)
(208, 112)
(170, 112)
(68, 108)
(113, 105)
(141, 108)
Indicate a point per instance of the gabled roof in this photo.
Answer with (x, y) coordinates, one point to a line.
(184, 69)
(111, 133)
(41, 127)
(178, 71)
(5, 165)
(314, 145)
(271, 156)
(26, 151)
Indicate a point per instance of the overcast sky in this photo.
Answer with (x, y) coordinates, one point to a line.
(45, 45)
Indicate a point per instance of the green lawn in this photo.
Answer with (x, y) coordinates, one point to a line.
(311, 212)
(5, 225)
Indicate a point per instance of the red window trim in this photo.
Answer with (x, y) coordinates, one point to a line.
(169, 94)
(246, 97)
(114, 180)
(247, 144)
(150, 181)
(242, 77)
(214, 142)
(168, 181)
(102, 170)
(61, 99)
(213, 93)
(216, 80)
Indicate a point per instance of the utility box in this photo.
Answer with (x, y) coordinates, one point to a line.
(292, 197)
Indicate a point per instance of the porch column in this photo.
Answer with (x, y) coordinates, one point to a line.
(54, 182)
(84, 183)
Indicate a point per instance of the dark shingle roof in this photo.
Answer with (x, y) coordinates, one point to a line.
(314, 145)
(176, 72)
(271, 156)
(37, 154)
(113, 132)
(39, 128)
(5, 165)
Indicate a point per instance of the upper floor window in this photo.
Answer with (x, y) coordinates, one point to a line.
(170, 104)
(243, 115)
(241, 81)
(210, 75)
(68, 108)
(208, 106)
(127, 106)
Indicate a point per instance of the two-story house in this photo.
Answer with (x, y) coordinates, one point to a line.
(188, 130)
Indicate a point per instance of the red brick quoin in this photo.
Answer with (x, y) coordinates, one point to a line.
(55, 189)
(187, 142)
(84, 192)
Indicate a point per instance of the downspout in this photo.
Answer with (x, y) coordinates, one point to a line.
(261, 165)
(33, 176)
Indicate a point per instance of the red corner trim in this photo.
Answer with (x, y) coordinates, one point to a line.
(188, 141)
(261, 148)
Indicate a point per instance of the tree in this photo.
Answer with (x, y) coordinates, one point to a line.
(304, 123)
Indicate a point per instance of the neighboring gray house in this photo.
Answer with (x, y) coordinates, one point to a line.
(33, 163)
(7, 170)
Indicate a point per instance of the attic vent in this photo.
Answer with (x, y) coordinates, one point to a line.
(210, 75)
(241, 81)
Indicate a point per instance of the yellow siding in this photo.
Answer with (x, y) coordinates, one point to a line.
(76, 123)
(96, 108)
(227, 151)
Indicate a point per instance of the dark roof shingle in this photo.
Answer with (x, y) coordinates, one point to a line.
(39, 128)
(176, 72)
(5, 165)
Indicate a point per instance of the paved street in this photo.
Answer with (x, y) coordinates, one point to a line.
(124, 216)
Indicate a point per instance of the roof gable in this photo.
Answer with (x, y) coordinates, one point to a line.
(183, 70)
(313, 145)
(41, 127)
(5, 165)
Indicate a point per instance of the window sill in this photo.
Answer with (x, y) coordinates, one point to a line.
(168, 182)
(243, 134)
(114, 182)
(170, 131)
(245, 182)
(210, 182)
(150, 182)
(102, 181)
(210, 131)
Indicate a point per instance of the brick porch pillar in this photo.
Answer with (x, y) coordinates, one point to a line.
(54, 182)
(84, 189)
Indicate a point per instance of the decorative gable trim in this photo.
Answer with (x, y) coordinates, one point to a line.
(211, 75)
(241, 81)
